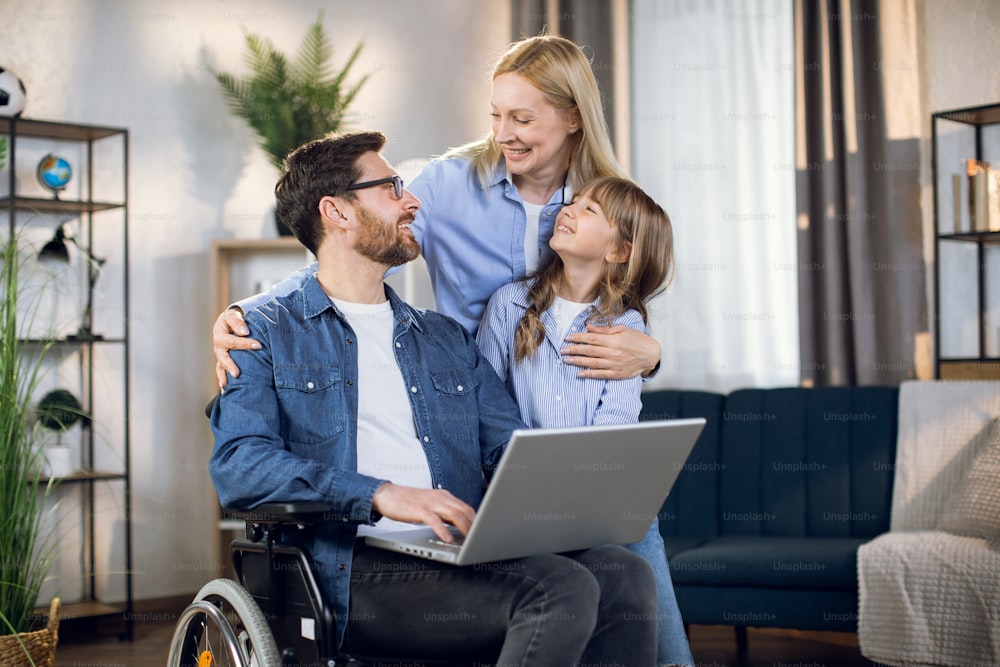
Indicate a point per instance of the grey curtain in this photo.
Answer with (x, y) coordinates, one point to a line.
(862, 296)
(586, 22)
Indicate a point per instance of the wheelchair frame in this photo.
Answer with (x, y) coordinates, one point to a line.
(275, 615)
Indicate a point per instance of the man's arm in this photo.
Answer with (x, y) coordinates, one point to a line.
(612, 353)
(252, 464)
(436, 508)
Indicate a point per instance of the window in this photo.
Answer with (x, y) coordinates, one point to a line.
(712, 128)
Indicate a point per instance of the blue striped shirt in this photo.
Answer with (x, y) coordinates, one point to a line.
(548, 391)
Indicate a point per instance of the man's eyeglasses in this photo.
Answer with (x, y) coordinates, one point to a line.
(397, 185)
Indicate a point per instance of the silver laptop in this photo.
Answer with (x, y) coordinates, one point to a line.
(564, 489)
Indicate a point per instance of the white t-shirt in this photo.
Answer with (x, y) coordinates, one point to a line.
(533, 214)
(388, 447)
(565, 312)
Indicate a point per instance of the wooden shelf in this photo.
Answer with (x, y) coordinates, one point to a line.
(984, 115)
(86, 476)
(44, 129)
(51, 205)
(970, 369)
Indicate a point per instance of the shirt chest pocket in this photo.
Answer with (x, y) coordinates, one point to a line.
(311, 399)
(456, 408)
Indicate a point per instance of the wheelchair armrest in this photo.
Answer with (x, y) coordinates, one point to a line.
(282, 513)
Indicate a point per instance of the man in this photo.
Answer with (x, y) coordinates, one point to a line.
(390, 415)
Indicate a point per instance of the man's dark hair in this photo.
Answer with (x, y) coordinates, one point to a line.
(319, 168)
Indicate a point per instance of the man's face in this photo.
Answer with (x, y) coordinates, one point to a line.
(383, 219)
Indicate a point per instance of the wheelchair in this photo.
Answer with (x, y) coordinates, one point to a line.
(275, 614)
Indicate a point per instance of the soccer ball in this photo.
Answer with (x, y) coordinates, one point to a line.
(12, 94)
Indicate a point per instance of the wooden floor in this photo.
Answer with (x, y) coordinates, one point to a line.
(713, 646)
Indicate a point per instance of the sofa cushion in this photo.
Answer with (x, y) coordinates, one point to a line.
(676, 544)
(807, 462)
(974, 507)
(812, 563)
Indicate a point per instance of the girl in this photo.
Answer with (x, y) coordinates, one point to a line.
(614, 251)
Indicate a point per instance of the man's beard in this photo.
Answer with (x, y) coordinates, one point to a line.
(384, 243)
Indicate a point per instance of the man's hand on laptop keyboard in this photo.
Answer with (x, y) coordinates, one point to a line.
(436, 508)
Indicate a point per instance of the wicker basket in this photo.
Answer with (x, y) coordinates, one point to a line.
(40, 645)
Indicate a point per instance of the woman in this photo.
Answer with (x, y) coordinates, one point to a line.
(488, 211)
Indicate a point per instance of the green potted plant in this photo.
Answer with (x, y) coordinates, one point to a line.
(287, 101)
(26, 550)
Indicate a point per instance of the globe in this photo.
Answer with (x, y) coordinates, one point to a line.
(54, 172)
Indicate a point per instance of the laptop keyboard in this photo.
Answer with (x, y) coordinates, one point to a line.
(457, 544)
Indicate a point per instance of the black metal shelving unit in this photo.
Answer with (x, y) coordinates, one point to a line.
(22, 205)
(965, 127)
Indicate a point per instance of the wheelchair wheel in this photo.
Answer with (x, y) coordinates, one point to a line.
(223, 627)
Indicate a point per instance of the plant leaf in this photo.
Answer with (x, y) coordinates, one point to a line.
(288, 103)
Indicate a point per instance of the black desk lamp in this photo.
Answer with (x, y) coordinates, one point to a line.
(56, 250)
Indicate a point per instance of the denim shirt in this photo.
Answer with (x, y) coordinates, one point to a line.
(472, 239)
(286, 428)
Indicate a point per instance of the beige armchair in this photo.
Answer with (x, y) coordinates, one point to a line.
(929, 589)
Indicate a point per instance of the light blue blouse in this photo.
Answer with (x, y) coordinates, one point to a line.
(547, 390)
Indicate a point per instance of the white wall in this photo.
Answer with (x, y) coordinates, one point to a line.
(196, 176)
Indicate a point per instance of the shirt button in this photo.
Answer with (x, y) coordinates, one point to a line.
(350, 383)
(413, 390)
(460, 388)
(558, 398)
(398, 344)
(426, 439)
(341, 567)
(350, 341)
(309, 385)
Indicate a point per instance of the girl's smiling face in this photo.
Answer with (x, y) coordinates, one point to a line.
(583, 232)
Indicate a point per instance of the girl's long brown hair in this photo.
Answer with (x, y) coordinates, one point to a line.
(642, 228)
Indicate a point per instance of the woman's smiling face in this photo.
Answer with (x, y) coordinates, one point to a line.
(533, 134)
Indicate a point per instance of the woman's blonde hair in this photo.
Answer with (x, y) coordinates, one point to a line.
(560, 70)
(643, 229)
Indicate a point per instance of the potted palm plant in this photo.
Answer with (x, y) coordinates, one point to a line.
(288, 102)
(25, 548)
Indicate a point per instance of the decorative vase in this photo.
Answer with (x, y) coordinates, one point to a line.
(59, 461)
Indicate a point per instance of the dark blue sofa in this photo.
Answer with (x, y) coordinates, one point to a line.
(763, 524)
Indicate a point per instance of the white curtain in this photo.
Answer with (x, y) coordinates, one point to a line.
(713, 142)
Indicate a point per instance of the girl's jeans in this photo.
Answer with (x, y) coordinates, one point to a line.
(672, 646)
